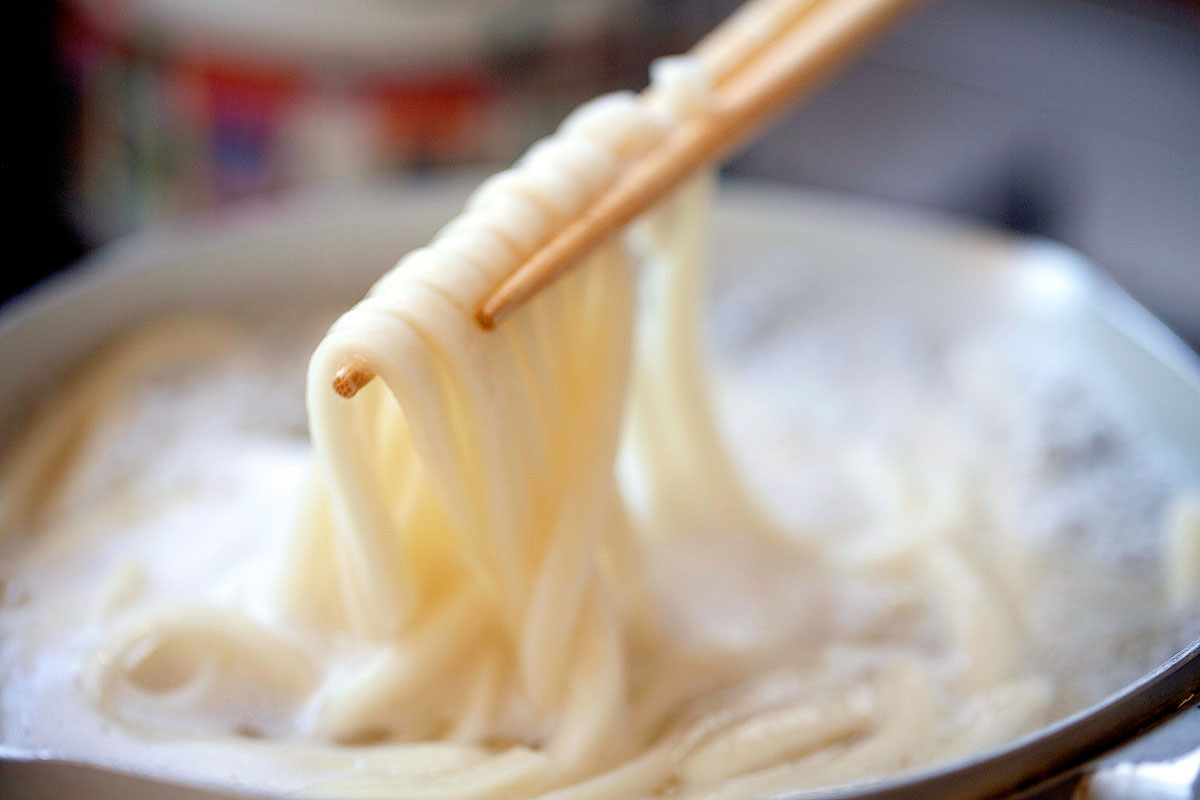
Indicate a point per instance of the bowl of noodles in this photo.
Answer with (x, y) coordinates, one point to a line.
(888, 503)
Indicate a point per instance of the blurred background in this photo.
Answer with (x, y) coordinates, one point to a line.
(1070, 119)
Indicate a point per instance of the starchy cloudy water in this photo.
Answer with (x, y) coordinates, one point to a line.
(902, 434)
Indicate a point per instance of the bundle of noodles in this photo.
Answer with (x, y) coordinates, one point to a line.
(469, 591)
(467, 498)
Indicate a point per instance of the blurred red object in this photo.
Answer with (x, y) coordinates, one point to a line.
(185, 104)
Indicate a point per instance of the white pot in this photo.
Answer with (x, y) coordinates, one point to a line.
(315, 249)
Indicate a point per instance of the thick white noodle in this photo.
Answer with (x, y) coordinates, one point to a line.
(464, 532)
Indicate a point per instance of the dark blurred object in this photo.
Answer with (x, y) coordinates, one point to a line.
(32, 168)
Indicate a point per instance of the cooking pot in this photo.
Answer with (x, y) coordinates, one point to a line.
(315, 249)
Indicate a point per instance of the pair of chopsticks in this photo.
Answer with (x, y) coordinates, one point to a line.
(762, 59)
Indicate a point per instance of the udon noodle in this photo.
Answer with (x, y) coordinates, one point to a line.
(473, 605)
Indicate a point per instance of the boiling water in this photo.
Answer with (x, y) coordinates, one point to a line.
(875, 437)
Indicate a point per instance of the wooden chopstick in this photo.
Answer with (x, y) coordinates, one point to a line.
(762, 58)
(745, 33)
(818, 42)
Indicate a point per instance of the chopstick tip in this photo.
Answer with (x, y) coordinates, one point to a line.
(486, 318)
(351, 377)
